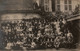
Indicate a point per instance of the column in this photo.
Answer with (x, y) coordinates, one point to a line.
(50, 5)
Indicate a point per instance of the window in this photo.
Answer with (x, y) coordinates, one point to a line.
(65, 1)
(58, 7)
(58, 1)
(69, 1)
(70, 7)
(66, 7)
(46, 8)
(46, 1)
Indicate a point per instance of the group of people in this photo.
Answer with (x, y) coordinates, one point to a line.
(36, 33)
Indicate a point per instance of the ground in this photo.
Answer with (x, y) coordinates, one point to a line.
(62, 49)
(57, 50)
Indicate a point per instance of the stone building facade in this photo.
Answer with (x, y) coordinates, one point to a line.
(61, 5)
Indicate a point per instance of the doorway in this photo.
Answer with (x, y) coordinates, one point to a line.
(53, 5)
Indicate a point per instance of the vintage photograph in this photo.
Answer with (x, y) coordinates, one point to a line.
(39, 25)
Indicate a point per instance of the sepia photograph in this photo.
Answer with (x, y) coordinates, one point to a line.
(39, 25)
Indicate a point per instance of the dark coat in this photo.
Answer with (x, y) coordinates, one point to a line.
(2, 40)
